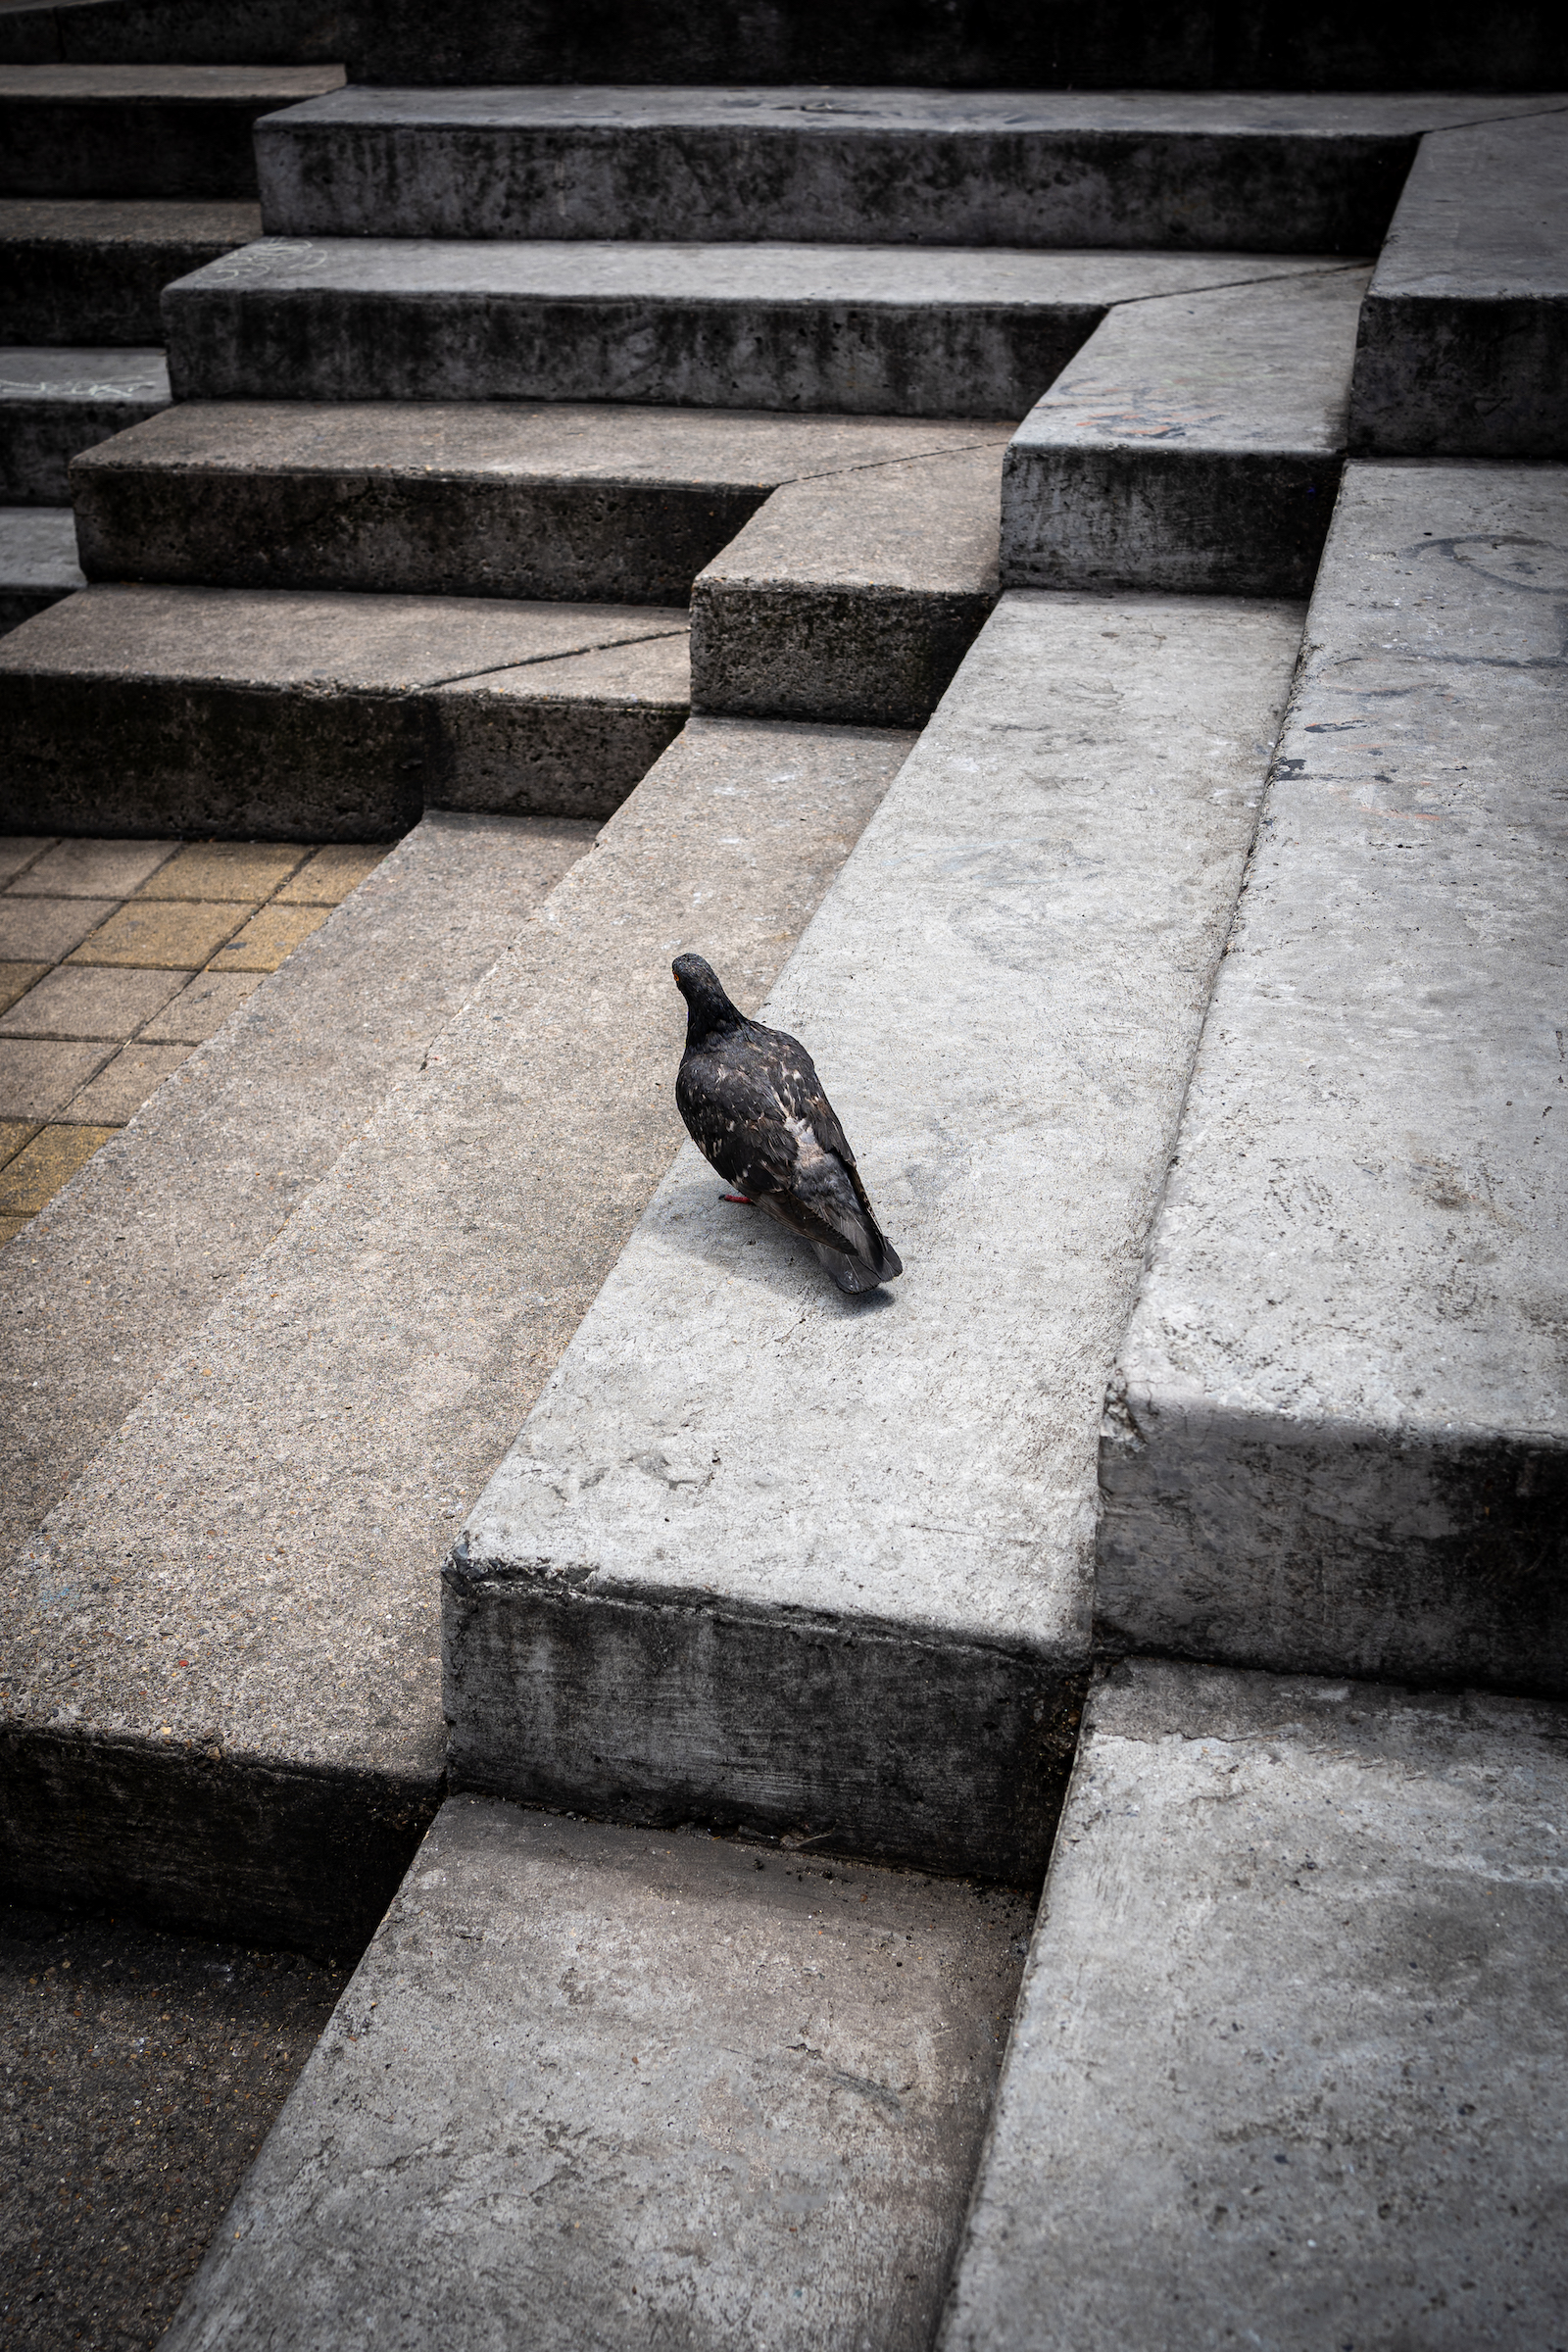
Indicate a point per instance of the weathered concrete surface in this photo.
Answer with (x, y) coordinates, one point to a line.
(1464, 336)
(227, 712)
(108, 1280)
(853, 597)
(141, 130)
(875, 331)
(758, 1556)
(1130, 169)
(1194, 444)
(37, 561)
(518, 499)
(277, 1505)
(1337, 1441)
(88, 272)
(55, 403)
(1290, 2059)
(590, 2086)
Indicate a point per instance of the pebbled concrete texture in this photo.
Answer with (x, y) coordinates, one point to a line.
(331, 717)
(55, 403)
(1336, 1442)
(86, 272)
(879, 331)
(1463, 346)
(759, 1556)
(224, 1641)
(1194, 444)
(1289, 2059)
(851, 597)
(614, 2088)
(37, 562)
(482, 497)
(142, 2073)
(137, 130)
(978, 167)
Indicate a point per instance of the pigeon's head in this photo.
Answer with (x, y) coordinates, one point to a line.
(707, 1005)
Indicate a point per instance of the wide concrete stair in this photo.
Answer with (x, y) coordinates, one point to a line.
(775, 1647)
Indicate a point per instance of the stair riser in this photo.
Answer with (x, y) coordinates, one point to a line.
(39, 438)
(866, 186)
(853, 654)
(185, 1834)
(622, 543)
(1189, 521)
(171, 148)
(884, 360)
(150, 757)
(56, 293)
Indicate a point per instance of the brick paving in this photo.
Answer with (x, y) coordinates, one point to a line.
(117, 960)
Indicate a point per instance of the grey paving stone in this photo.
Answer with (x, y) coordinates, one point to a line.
(1464, 347)
(761, 1557)
(687, 2090)
(853, 597)
(85, 270)
(879, 331)
(76, 1001)
(94, 868)
(1194, 444)
(38, 1077)
(155, 1226)
(118, 130)
(1337, 1441)
(358, 1385)
(482, 497)
(1289, 2062)
(37, 562)
(39, 930)
(1130, 168)
(332, 718)
(54, 403)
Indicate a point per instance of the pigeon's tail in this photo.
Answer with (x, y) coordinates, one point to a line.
(855, 1278)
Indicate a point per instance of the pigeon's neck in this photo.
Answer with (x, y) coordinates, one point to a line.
(707, 1011)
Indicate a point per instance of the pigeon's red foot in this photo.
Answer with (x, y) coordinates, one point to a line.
(744, 1199)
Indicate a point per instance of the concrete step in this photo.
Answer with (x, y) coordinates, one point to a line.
(1338, 1440)
(601, 2088)
(1289, 2062)
(83, 271)
(873, 330)
(763, 1556)
(1464, 338)
(54, 403)
(225, 1702)
(37, 561)
(129, 131)
(235, 712)
(164, 1219)
(851, 597)
(1194, 444)
(624, 505)
(918, 167)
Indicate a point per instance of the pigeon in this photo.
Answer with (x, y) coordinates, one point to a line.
(754, 1108)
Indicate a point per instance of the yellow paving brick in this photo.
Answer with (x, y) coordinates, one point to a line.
(117, 1093)
(227, 869)
(50, 1161)
(10, 1227)
(329, 876)
(268, 937)
(166, 938)
(15, 979)
(14, 1133)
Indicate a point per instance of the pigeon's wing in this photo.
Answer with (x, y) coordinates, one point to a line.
(824, 1184)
